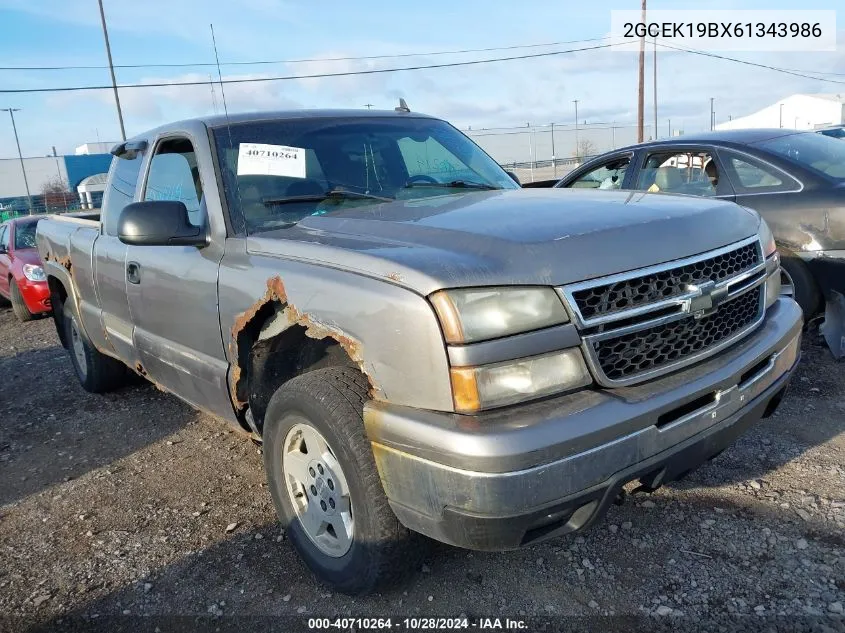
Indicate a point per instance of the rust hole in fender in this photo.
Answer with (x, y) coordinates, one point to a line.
(245, 331)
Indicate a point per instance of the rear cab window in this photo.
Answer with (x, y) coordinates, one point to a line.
(120, 191)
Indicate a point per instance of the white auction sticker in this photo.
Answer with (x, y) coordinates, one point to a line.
(259, 159)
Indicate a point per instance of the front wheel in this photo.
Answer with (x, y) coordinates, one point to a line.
(325, 485)
(18, 304)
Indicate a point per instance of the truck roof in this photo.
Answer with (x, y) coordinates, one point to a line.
(220, 120)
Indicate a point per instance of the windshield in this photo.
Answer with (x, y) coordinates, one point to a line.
(25, 235)
(277, 172)
(816, 151)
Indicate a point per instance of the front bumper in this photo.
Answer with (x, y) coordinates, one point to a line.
(36, 295)
(507, 478)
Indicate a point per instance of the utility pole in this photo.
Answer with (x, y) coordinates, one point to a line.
(111, 69)
(641, 86)
(575, 101)
(712, 115)
(554, 161)
(11, 112)
(655, 88)
(780, 124)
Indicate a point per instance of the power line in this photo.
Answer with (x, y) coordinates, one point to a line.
(303, 61)
(748, 63)
(374, 71)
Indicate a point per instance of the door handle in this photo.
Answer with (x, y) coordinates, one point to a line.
(133, 272)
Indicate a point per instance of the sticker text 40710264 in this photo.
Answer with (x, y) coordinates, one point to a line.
(261, 159)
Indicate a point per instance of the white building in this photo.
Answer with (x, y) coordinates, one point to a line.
(800, 112)
(94, 148)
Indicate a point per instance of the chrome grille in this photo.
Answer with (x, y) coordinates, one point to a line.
(663, 284)
(646, 350)
(645, 323)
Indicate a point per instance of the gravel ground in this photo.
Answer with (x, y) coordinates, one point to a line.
(134, 504)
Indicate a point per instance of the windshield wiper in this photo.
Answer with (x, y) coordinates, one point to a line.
(334, 194)
(455, 184)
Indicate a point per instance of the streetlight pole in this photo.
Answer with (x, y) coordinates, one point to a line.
(780, 117)
(575, 101)
(554, 161)
(11, 112)
(111, 69)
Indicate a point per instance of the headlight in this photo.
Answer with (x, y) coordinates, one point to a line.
(476, 314)
(34, 273)
(766, 238)
(476, 388)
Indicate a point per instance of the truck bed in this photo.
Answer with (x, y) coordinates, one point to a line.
(66, 247)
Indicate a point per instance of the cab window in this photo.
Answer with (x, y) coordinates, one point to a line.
(609, 175)
(123, 181)
(174, 176)
(690, 172)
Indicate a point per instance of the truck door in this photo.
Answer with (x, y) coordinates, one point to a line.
(172, 290)
(109, 323)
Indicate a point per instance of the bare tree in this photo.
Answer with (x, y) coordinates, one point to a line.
(57, 197)
(586, 148)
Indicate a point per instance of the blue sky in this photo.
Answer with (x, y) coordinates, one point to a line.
(67, 32)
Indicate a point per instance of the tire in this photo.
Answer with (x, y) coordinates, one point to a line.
(97, 373)
(329, 402)
(18, 305)
(805, 291)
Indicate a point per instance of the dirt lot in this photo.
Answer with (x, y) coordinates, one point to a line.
(118, 505)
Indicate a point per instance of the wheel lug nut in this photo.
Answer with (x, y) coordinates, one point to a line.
(331, 503)
(323, 505)
(320, 468)
(311, 472)
(314, 490)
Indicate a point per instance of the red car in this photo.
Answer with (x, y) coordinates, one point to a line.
(22, 280)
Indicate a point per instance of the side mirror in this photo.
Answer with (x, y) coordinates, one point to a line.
(159, 223)
(514, 177)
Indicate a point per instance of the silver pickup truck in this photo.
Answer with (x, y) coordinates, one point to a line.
(421, 345)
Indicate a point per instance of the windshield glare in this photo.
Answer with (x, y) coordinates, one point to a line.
(816, 151)
(274, 172)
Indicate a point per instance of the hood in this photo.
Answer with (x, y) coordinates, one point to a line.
(28, 256)
(523, 236)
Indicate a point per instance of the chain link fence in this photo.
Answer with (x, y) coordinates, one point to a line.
(538, 153)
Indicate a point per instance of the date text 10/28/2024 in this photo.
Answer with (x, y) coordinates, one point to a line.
(418, 624)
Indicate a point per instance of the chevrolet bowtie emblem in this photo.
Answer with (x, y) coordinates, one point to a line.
(706, 298)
